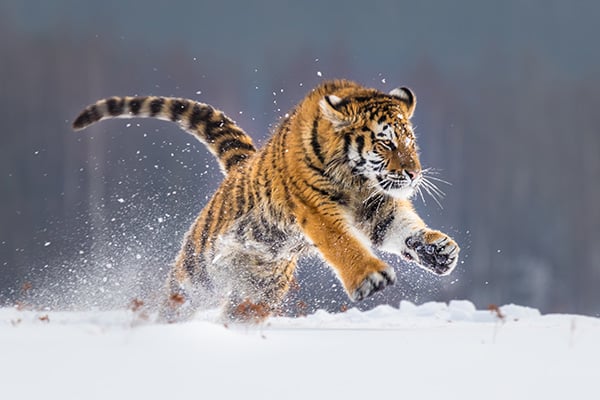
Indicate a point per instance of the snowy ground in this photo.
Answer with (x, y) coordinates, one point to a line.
(415, 352)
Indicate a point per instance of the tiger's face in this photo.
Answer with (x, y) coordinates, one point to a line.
(378, 139)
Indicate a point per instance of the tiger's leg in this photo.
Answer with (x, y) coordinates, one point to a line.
(179, 301)
(361, 273)
(176, 304)
(261, 293)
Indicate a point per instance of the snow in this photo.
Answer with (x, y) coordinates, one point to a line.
(428, 351)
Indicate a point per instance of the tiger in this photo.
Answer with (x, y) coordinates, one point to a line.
(335, 178)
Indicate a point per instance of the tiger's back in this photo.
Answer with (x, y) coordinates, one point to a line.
(335, 178)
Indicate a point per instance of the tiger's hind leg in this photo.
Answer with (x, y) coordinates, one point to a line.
(177, 304)
(186, 287)
(260, 293)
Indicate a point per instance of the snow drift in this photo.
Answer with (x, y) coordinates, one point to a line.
(434, 350)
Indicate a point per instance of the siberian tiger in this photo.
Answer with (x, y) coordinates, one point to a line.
(336, 177)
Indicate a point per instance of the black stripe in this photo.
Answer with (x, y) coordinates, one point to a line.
(380, 230)
(362, 99)
(314, 141)
(233, 143)
(240, 198)
(385, 184)
(267, 181)
(248, 194)
(216, 129)
(136, 104)
(312, 166)
(347, 143)
(87, 117)
(94, 113)
(339, 198)
(234, 160)
(255, 185)
(196, 117)
(372, 97)
(219, 221)
(178, 107)
(255, 193)
(156, 106)
(251, 190)
(115, 106)
(261, 167)
(299, 193)
(360, 144)
(323, 192)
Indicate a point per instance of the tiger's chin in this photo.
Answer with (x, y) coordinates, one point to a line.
(402, 193)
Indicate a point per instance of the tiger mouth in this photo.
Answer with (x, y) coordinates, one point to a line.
(390, 182)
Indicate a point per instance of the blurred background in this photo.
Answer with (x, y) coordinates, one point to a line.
(508, 112)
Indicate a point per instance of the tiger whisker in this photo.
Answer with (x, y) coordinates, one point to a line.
(433, 196)
(433, 171)
(375, 192)
(428, 172)
(437, 197)
(433, 188)
(376, 195)
(371, 197)
(439, 180)
(418, 188)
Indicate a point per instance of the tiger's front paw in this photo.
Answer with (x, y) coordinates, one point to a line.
(374, 282)
(436, 251)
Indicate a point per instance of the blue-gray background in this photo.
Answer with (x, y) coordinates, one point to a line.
(509, 111)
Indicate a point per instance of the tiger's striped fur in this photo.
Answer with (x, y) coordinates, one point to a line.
(221, 135)
(336, 177)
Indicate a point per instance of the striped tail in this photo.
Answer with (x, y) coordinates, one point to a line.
(223, 138)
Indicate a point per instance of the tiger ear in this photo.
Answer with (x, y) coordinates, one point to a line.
(407, 96)
(330, 106)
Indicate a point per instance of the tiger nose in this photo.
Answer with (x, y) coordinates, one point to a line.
(412, 174)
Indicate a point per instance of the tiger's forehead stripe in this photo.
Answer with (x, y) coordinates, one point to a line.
(385, 130)
(383, 112)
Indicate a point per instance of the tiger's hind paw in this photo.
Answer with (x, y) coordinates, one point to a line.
(176, 308)
(373, 283)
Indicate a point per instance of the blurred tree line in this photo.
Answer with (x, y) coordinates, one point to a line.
(519, 142)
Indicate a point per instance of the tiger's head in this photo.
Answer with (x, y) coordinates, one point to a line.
(375, 137)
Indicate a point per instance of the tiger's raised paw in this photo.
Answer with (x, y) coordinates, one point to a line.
(435, 251)
(374, 282)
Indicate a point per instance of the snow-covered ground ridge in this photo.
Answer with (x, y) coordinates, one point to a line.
(429, 351)
(381, 317)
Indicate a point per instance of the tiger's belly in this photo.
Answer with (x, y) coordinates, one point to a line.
(253, 250)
